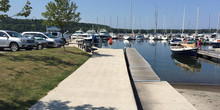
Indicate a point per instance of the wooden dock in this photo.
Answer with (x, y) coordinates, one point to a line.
(209, 54)
(150, 92)
(139, 68)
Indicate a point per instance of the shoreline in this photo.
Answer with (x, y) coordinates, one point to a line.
(202, 97)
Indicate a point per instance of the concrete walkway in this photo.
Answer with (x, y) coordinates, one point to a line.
(101, 83)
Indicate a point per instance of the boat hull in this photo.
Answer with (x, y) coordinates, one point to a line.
(191, 52)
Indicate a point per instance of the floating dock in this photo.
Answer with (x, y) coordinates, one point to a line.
(150, 92)
(209, 54)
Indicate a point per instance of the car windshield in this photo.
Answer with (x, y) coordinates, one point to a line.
(14, 34)
(50, 35)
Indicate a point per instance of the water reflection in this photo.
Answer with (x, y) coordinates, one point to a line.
(127, 43)
(189, 65)
(152, 42)
(164, 42)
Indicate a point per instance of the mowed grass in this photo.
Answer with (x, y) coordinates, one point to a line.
(27, 76)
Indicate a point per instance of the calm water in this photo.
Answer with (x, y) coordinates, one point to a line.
(170, 67)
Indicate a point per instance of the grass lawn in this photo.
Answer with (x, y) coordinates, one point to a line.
(27, 76)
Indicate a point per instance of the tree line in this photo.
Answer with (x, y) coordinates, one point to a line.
(21, 25)
(62, 13)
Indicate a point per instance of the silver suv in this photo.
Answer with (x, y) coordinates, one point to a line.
(15, 41)
(51, 40)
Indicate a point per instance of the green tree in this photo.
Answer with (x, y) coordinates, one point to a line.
(26, 11)
(61, 12)
(4, 7)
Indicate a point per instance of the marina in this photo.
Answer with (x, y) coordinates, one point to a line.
(126, 55)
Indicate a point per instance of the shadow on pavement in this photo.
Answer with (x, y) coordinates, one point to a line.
(58, 105)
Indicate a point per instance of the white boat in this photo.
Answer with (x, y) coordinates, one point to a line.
(146, 36)
(184, 49)
(159, 36)
(89, 33)
(103, 33)
(77, 34)
(164, 37)
(113, 35)
(151, 37)
(127, 37)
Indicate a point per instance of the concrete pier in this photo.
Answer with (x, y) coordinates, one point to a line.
(101, 83)
(209, 54)
(151, 92)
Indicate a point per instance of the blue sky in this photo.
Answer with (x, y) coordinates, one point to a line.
(172, 10)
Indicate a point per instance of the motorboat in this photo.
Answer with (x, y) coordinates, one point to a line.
(184, 48)
(129, 37)
(77, 34)
(113, 35)
(103, 33)
(91, 35)
(175, 40)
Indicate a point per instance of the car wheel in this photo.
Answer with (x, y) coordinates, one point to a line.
(14, 47)
(1, 49)
(39, 47)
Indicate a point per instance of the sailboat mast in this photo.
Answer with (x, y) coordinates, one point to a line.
(97, 22)
(183, 20)
(132, 20)
(139, 24)
(125, 25)
(117, 25)
(165, 24)
(171, 30)
(104, 20)
(218, 23)
(110, 23)
(197, 20)
(147, 25)
(209, 24)
(156, 15)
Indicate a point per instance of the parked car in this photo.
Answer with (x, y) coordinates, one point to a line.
(51, 40)
(39, 40)
(66, 36)
(15, 41)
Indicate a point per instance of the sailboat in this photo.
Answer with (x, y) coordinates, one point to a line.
(179, 38)
(132, 36)
(154, 36)
(139, 36)
(184, 48)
